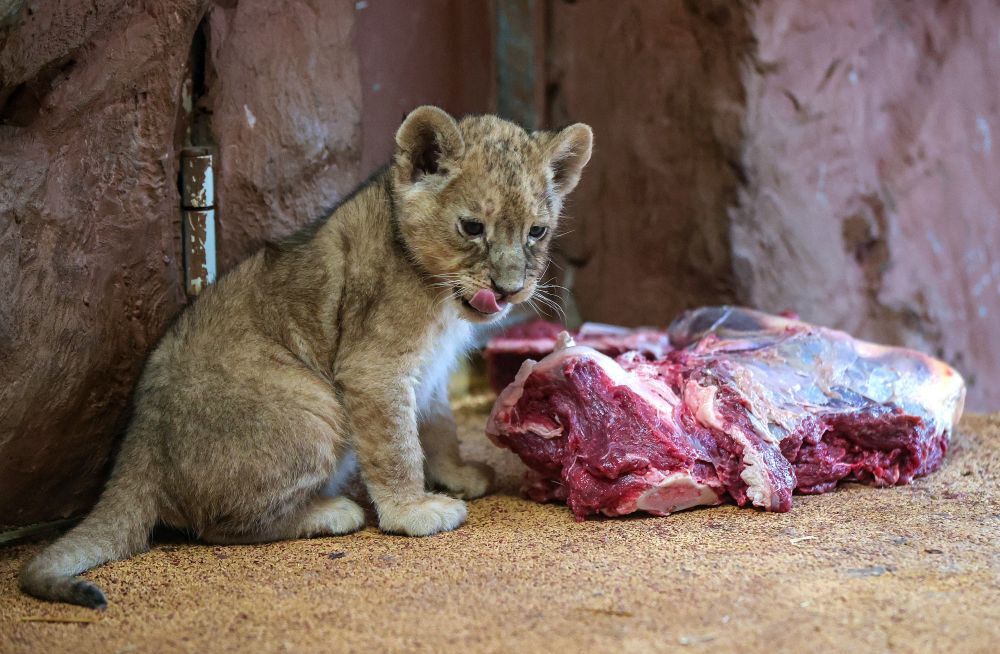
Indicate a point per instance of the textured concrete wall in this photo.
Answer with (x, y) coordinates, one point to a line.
(836, 159)
(89, 211)
(413, 53)
(872, 201)
(284, 93)
(660, 82)
(89, 234)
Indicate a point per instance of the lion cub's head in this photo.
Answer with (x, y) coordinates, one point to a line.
(478, 203)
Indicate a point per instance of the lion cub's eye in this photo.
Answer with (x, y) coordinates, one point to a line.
(537, 231)
(472, 228)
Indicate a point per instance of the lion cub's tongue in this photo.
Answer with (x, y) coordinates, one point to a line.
(484, 300)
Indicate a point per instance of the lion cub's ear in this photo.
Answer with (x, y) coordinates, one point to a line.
(567, 152)
(426, 141)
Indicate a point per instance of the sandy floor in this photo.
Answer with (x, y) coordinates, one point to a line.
(911, 569)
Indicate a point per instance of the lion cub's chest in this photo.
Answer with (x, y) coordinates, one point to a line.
(446, 344)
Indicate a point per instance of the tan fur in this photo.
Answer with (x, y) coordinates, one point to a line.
(340, 339)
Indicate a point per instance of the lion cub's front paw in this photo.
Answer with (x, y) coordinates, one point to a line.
(467, 480)
(429, 515)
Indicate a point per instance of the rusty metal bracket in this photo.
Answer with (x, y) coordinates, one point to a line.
(198, 224)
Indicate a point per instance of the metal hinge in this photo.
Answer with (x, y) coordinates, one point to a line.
(198, 224)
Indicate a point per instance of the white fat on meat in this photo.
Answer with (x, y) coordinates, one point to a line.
(700, 401)
(540, 345)
(669, 493)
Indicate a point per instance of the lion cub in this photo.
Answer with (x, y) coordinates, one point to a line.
(340, 339)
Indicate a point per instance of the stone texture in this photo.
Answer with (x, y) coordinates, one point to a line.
(836, 159)
(871, 201)
(660, 83)
(90, 268)
(89, 234)
(413, 53)
(284, 95)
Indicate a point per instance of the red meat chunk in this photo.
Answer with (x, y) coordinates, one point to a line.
(740, 406)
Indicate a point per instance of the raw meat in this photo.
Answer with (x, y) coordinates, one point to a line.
(749, 407)
(534, 340)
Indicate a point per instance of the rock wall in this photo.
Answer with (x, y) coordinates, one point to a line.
(660, 83)
(836, 159)
(871, 201)
(90, 268)
(89, 234)
(283, 90)
(413, 53)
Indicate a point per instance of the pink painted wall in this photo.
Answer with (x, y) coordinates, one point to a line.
(660, 83)
(413, 53)
(872, 201)
(834, 158)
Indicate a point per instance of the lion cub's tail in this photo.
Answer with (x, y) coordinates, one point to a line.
(118, 527)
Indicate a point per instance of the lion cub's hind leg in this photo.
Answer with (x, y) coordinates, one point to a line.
(329, 516)
(321, 516)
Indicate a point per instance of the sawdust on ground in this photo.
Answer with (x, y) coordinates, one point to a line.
(909, 569)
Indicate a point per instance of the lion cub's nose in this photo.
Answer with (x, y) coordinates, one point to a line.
(506, 291)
